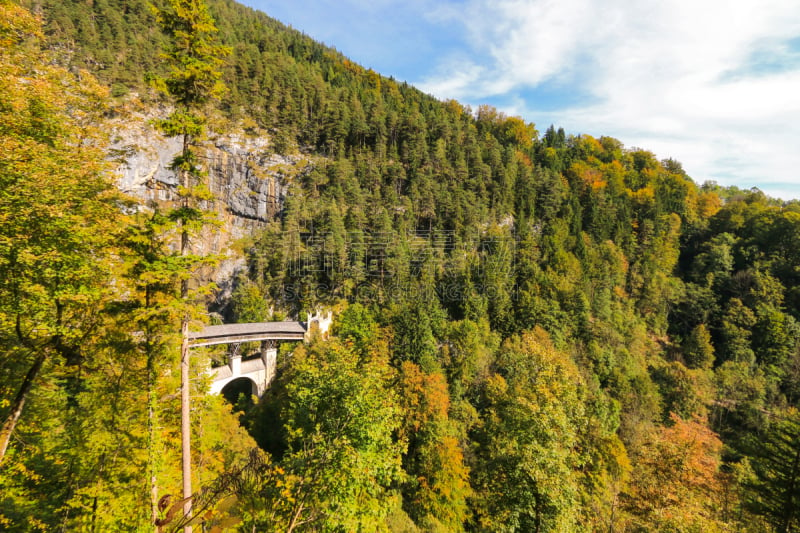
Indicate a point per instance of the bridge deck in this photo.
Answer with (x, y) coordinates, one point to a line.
(257, 331)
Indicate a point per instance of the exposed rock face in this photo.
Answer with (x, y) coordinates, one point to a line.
(248, 180)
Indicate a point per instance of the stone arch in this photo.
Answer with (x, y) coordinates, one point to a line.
(240, 385)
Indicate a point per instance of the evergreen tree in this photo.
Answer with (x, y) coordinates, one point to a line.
(776, 463)
(194, 78)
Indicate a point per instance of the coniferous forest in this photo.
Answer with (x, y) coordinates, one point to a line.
(533, 331)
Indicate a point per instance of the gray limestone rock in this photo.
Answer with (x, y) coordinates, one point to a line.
(248, 179)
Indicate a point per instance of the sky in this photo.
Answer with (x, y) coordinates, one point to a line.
(714, 84)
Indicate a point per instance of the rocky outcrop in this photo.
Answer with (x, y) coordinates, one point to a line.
(248, 179)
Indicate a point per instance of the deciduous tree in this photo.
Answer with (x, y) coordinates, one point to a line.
(527, 461)
(57, 212)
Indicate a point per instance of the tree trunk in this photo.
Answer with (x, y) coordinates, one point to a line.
(151, 440)
(186, 427)
(19, 402)
(152, 413)
(789, 504)
(151, 422)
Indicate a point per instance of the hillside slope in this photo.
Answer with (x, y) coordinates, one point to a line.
(536, 331)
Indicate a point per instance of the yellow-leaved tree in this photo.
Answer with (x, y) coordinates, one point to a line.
(57, 215)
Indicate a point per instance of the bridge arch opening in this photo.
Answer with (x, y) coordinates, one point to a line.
(240, 391)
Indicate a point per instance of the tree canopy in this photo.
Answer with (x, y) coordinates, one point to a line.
(534, 331)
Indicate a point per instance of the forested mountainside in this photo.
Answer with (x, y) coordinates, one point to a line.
(534, 331)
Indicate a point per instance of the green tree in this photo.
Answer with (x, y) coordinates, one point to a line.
(467, 354)
(58, 214)
(155, 273)
(338, 457)
(248, 301)
(775, 454)
(736, 330)
(414, 339)
(194, 79)
(697, 348)
(357, 325)
(526, 473)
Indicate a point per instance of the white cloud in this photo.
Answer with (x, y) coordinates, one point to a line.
(681, 79)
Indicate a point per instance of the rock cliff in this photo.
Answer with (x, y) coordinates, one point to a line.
(249, 180)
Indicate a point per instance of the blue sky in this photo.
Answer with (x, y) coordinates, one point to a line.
(714, 84)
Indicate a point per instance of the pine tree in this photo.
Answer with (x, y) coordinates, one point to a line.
(194, 79)
(775, 493)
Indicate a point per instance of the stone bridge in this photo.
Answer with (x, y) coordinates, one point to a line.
(260, 371)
